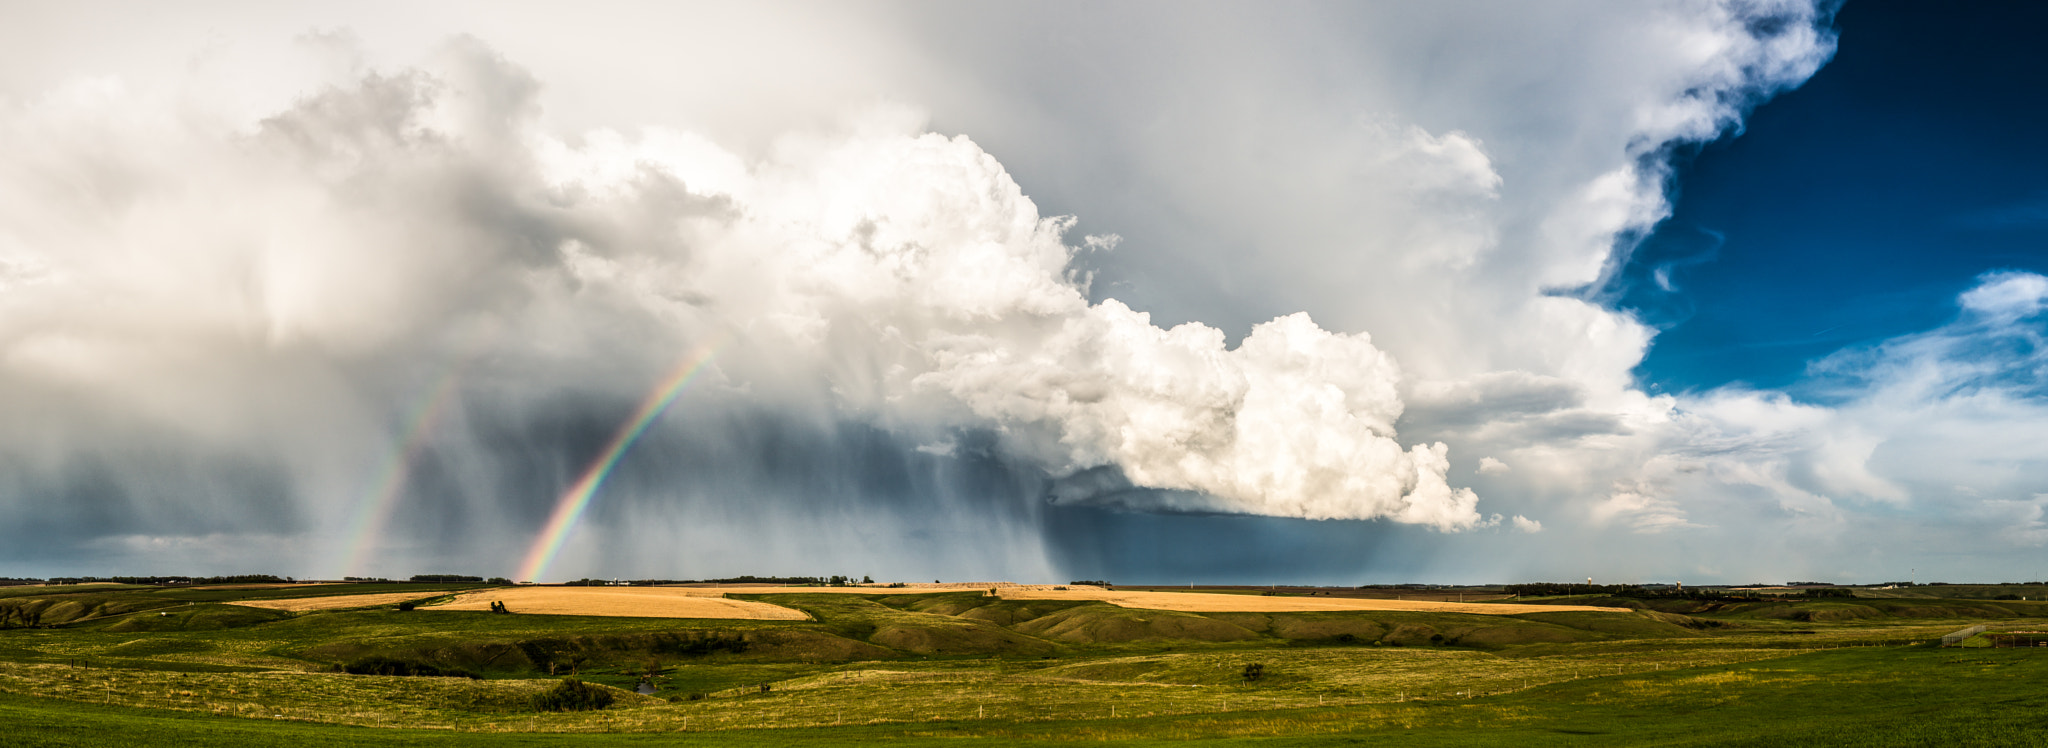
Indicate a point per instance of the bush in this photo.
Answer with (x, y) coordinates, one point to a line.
(390, 666)
(405, 606)
(699, 643)
(572, 695)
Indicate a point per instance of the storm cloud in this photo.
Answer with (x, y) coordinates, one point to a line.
(1008, 291)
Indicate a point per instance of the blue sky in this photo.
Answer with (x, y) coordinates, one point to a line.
(1855, 208)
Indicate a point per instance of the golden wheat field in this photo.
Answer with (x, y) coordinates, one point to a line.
(628, 602)
(335, 602)
(711, 601)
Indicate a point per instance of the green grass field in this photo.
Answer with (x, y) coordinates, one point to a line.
(180, 666)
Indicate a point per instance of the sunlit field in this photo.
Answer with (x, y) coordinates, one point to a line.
(149, 663)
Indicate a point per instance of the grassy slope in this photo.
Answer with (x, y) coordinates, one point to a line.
(848, 628)
(883, 667)
(2033, 592)
(76, 604)
(1858, 697)
(65, 589)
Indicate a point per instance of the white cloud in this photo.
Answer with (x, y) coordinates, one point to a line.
(1641, 509)
(2021, 521)
(221, 282)
(2007, 297)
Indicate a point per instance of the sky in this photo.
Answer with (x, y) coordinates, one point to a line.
(1309, 293)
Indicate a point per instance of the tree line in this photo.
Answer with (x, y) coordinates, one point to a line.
(1551, 589)
(234, 579)
(835, 580)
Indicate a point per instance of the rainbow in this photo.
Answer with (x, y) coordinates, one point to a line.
(374, 508)
(569, 508)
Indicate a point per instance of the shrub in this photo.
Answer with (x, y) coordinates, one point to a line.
(572, 695)
(405, 606)
(699, 643)
(390, 666)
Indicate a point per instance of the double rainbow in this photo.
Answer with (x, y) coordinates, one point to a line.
(569, 508)
(373, 509)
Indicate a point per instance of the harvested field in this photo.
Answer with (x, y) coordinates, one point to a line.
(1202, 602)
(334, 602)
(629, 602)
(709, 601)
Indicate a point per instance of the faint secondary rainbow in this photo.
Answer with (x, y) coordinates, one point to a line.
(569, 508)
(374, 508)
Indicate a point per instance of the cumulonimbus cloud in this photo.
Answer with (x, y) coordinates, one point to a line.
(165, 268)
